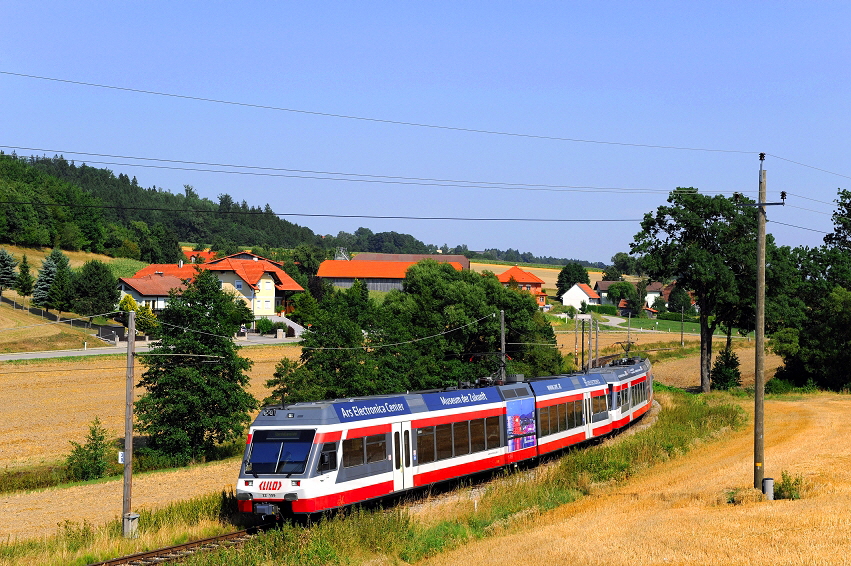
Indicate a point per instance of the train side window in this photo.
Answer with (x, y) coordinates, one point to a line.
(553, 419)
(425, 445)
(544, 418)
(397, 450)
(461, 438)
(477, 435)
(443, 441)
(376, 448)
(353, 452)
(328, 457)
(561, 418)
(492, 430)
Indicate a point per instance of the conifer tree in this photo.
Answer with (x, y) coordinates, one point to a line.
(46, 275)
(7, 270)
(25, 281)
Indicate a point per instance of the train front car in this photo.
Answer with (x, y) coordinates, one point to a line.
(309, 457)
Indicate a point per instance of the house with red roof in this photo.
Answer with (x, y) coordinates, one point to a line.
(578, 294)
(526, 281)
(378, 275)
(262, 283)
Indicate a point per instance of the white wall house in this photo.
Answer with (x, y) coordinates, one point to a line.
(578, 294)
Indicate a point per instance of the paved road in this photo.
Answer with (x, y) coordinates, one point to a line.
(122, 349)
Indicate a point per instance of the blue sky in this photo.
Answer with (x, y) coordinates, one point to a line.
(748, 77)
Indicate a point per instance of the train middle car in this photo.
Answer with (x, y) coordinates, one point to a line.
(310, 457)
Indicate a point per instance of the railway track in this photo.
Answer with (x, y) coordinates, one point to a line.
(178, 552)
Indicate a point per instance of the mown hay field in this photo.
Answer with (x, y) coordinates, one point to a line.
(46, 404)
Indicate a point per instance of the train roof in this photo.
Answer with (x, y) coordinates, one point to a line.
(355, 409)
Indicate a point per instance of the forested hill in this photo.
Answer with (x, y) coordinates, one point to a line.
(49, 201)
(186, 215)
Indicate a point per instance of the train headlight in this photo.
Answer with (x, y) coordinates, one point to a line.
(295, 483)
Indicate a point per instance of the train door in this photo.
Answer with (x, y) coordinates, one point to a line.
(587, 415)
(402, 464)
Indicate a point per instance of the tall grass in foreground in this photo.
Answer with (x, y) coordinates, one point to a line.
(359, 536)
(78, 544)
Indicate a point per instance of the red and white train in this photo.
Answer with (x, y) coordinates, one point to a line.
(310, 457)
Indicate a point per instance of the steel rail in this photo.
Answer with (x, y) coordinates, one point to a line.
(179, 551)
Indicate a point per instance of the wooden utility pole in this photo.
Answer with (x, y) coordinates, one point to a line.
(129, 526)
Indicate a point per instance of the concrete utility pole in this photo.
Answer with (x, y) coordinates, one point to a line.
(129, 518)
(759, 362)
(759, 333)
(502, 345)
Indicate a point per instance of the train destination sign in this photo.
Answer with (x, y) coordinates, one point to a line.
(371, 409)
(461, 398)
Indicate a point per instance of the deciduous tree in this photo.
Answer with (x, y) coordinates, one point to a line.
(709, 244)
(195, 380)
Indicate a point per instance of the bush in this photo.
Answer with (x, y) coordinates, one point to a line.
(675, 316)
(788, 487)
(778, 386)
(725, 372)
(603, 309)
(264, 325)
(91, 460)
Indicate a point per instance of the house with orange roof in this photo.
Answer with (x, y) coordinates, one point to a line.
(378, 275)
(261, 283)
(578, 294)
(199, 257)
(150, 290)
(526, 281)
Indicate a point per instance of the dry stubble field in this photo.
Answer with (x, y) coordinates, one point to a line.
(674, 513)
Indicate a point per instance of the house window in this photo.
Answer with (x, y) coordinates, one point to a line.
(238, 285)
(268, 285)
(267, 304)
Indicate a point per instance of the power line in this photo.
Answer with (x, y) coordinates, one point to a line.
(373, 346)
(308, 215)
(264, 171)
(374, 120)
(415, 124)
(799, 227)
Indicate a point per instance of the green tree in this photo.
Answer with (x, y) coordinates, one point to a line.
(89, 461)
(25, 281)
(623, 290)
(96, 289)
(570, 275)
(146, 321)
(46, 275)
(625, 263)
(8, 277)
(441, 328)
(127, 304)
(680, 301)
(61, 295)
(195, 380)
(725, 372)
(659, 305)
(612, 273)
(709, 244)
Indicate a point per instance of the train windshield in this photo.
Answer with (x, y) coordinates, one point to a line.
(279, 451)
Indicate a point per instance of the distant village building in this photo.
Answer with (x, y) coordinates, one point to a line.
(578, 294)
(526, 282)
(378, 275)
(413, 258)
(261, 283)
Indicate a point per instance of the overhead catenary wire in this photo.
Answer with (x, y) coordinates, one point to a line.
(417, 124)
